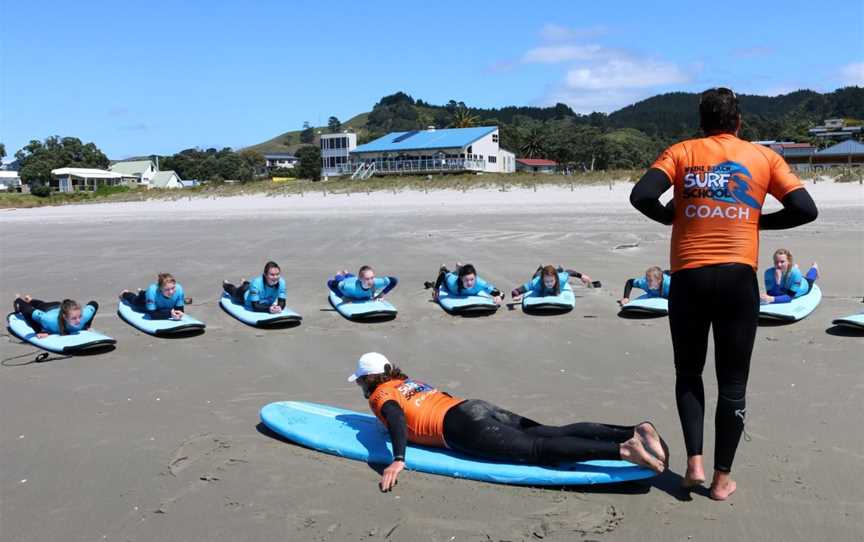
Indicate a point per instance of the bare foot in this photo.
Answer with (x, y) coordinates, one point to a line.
(695, 475)
(723, 486)
(653, 442)
(634, 452)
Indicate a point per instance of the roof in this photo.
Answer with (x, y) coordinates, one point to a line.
(850, 146)
(446, 138)
(161, 179)
(9, 175)
(536, 162)
(279, 156)
(133, 167)
(86, 173)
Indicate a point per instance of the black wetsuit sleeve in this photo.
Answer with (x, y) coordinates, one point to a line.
(628, 287)
(393, 282)
(281, 303)
(260, 307)
(397, 427)
(798, 208)
(645, 196)
(518, 291)
(160, 314)
(572, 273)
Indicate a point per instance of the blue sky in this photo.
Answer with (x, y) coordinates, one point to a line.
(157, 77)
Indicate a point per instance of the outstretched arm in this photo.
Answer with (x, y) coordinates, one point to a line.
(396, 425)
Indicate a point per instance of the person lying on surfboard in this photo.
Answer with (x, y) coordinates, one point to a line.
(265, 293)
(463, 281)
(55, 317)
(364, 286)
(655, 283)
(162, 300)
(784, 281)
(416, 412)
(548, 280)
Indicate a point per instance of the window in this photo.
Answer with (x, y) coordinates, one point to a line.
(493, 159)
(494, 138)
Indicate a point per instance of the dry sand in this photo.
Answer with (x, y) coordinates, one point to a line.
(159, 439)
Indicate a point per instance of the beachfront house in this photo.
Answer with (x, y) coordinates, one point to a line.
(10, 181)
(280, 160)
(432, 151)
(536, 165)
(74, 179)
(336, 152)
(837, 129)
(166, 179)
(140, 170)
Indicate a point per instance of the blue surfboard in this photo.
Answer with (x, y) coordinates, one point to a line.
(81, 341)
(563, 302)
(854, 321)
(159, 328)
(795, 310)
(362, 310)
(647, 305)
(466, 305)
(257, 319)
(362, 437)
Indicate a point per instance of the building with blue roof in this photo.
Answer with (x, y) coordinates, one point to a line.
(848, 154)
(432, 151)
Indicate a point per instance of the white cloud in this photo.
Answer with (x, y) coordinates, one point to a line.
(557, 32)
(625, 73)
(853, 74)
(553, 54)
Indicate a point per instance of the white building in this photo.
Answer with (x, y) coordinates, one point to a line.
(166, 179)
(280, 160)
(72, 179)
(431, 151)
(336, 152)
(10, 181)
(142, 170)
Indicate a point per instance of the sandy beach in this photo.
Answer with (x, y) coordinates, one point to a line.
(159, 440)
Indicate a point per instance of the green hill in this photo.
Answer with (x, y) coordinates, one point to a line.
(664, 118)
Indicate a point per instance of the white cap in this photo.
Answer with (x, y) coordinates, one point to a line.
(370, 363)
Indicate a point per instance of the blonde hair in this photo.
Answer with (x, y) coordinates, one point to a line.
(66, 307)
(165, 278)
(654, 271)
(785, 252)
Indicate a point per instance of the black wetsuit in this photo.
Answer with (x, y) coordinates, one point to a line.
(480, 429)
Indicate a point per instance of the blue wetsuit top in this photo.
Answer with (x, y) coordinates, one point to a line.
(663, 291)
(262, 293)
(537, 287)
(452, 285)
(156, 302)
(349, 286)
(49, 320)
(794, 285)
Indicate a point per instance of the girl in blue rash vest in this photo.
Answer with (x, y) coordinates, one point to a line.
(362, 287)
(265, 293)
(55, 317)
(784, 281)
(162, 300)
(655, 283)
(548, 281)
(464, 281)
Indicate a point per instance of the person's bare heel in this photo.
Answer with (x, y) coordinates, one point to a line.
(695, 475)
(653, 442)
(634, 452)
(723, 486)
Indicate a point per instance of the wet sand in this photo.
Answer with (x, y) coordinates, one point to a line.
(159, 439)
